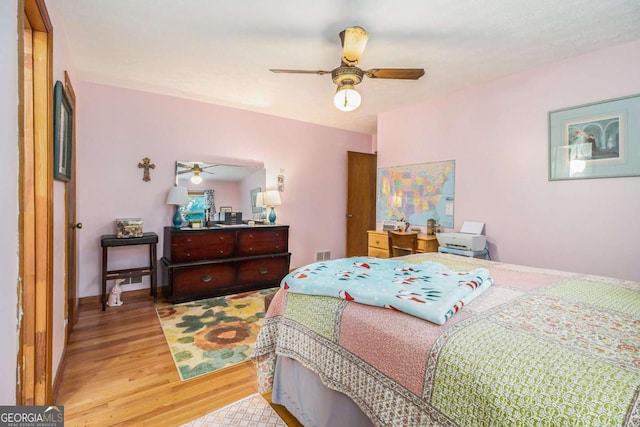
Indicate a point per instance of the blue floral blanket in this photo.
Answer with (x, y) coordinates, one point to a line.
(429, 290)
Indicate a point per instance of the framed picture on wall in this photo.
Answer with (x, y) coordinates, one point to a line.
(226, 209)
(598, 140)
(62, 133)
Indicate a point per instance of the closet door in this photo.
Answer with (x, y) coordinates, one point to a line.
(361, 201)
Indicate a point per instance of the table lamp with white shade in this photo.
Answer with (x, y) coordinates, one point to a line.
(271, 198)
(178, 196)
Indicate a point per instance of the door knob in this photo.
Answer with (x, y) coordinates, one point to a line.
(76, 225)
(349, 216)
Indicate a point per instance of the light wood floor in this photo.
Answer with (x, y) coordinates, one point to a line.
(119, 372)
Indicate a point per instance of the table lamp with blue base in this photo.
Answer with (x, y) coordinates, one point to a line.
(178, 196)
(272, 198)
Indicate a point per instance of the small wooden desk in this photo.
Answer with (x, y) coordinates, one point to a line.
(110, 241)
(379, 243)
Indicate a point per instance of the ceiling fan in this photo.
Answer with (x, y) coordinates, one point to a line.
(347, 75)
(197, 169)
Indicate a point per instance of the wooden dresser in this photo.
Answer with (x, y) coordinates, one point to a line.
(379, 243)
(202, 263)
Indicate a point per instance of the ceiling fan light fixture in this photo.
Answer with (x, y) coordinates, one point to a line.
(347, 98)
(196, 178)
(354, 40)
(348, 74)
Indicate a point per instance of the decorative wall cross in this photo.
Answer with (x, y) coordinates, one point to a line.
(146, 164)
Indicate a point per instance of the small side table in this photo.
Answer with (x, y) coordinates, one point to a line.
(471, 254)
(110, 241)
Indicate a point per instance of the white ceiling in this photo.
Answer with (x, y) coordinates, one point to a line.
(221, 51)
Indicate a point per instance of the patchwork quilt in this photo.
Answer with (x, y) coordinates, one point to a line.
(429, 290)
(537, 348)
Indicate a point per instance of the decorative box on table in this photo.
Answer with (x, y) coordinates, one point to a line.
(128, 227)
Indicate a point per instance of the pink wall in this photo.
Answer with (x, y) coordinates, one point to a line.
(497, 134)
(118, 127)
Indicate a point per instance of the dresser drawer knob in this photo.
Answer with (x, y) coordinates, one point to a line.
(221, 251)
(206, 278)
(263, 270)
(251, 236)
(250, 249)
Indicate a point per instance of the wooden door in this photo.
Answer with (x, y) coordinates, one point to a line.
(361, 200)
(72, 225)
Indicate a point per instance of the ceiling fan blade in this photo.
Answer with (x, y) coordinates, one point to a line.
(318, 72)
(182, 165)
(354, 40)
(181, 172)
(395, 73)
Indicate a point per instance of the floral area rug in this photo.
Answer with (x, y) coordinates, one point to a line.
(252, 411)
(213, 333)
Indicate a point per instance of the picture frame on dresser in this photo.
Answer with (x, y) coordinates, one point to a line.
(596, 140)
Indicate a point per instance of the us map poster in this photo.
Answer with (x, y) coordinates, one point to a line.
(417, 193)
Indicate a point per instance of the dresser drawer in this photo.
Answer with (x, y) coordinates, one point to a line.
(379, 241)
(378, 253)
(199, 246)
(263, 270)
(202, 279)
(430, 245)
(262, 242)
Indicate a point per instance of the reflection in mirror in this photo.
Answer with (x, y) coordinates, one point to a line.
(215, 185)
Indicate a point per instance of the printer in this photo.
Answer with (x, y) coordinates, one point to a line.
(469, 238)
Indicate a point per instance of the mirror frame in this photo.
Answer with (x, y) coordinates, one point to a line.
(251, 187)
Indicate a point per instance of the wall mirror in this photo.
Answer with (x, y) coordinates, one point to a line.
(212, 186)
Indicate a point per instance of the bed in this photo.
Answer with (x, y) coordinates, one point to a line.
(537, 347)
